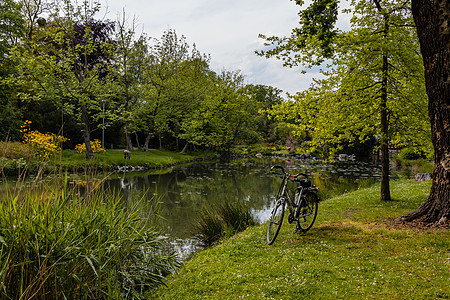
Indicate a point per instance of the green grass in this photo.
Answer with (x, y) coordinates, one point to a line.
(110, 159)
(352, 252)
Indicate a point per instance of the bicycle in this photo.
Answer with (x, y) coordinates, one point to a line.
(303, 207)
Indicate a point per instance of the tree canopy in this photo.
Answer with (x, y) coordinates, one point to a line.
(374, 86)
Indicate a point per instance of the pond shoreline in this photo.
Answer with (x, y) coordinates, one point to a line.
(108, 161)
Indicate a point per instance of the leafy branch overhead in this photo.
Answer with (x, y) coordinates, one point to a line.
(312, 42)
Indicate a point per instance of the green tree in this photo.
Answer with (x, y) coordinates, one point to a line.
(128, 75)
(375, 86)
(67, 63)
(174, 80)
(224, 115)
(265, 97)
(12, 29)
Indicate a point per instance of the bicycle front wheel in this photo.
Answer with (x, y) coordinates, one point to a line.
(275, 221)
(308, 212)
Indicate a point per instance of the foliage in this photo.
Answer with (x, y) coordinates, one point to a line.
(404, 165)
(43, 144)
(96, 146)
(12, 25)
(11, 30)
(176, 79)
(56, 244)
(222, 220)
(346, 106)
(352, 252)
(224, 116)
(130, 57)
(410, 154)
(16, 150)
(66, 63)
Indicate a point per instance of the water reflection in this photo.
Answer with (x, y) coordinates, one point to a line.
(184, 190)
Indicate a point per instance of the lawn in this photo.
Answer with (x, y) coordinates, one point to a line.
(112, 158)
(354, 251)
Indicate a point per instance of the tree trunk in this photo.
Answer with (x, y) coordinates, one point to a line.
(137, 141)
(431, 18)
(87, 133)
(87, 142)
(147, 141)
(385, 189)
(128, 136)
(185, 148)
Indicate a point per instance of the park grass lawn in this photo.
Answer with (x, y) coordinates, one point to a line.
(354, 251)
(112, 158)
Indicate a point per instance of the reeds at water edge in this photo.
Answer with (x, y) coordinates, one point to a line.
(58, 242)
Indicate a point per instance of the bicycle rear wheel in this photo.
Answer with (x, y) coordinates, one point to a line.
(308, 212)
(275, 221)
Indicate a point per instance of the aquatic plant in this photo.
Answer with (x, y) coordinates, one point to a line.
(223, 220)
(56, 243)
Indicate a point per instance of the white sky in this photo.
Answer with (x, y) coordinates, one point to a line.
(227, 30)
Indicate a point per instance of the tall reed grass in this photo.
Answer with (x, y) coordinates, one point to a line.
(58, 243)
(220, 221)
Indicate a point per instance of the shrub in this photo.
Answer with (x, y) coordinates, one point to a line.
(96, 146)
(411, 154)
(43, 144)
(16, 150)
(56, 245)
(224, 220)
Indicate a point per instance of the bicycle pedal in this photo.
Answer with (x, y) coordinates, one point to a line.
(290, 218)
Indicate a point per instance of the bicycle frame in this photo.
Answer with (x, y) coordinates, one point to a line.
(283, 194)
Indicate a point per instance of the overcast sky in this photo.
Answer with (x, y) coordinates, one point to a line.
(227, 30)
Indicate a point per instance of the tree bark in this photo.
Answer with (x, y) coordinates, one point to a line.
(185, 148)
(385, 188)
(137, 141)
(433, 28)
(128, 136)
(147, 141)
(87, 133)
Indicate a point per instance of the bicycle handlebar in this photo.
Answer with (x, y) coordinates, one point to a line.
(286, 174)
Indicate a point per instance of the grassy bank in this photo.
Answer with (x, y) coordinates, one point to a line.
(113, 158)
(107, 160)
(354, 251)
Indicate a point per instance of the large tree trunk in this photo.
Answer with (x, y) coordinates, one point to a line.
(433, 28)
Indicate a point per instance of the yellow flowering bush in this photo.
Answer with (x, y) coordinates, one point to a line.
(96, 146)
(43, 144)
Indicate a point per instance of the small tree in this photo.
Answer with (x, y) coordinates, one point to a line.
(67, 63)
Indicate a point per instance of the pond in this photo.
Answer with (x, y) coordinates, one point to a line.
(185, 189)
